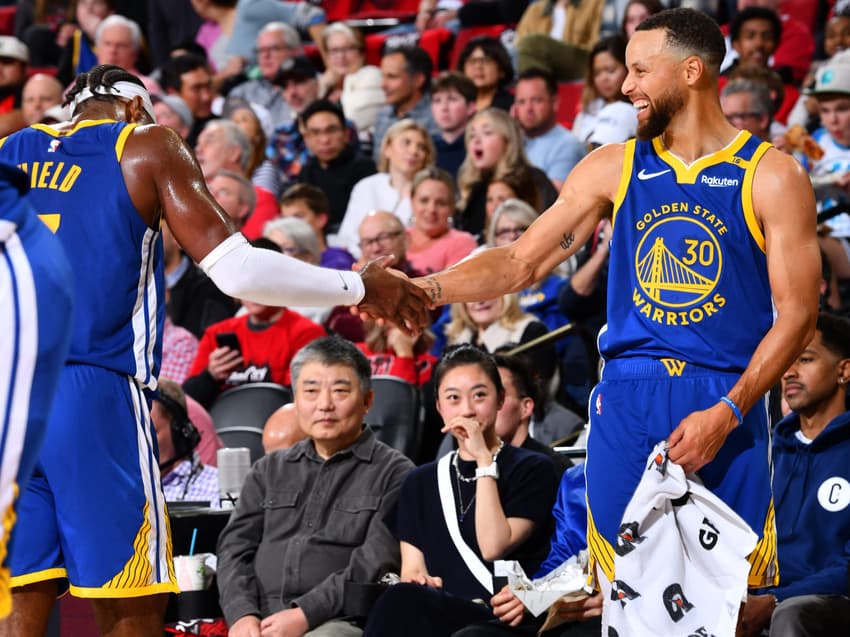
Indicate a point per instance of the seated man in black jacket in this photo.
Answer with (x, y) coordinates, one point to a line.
(310, 518)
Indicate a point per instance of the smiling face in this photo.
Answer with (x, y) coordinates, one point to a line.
(330, 405)
(433, 206)
(485, 313)
(485, 145)
(652, 83)
(837, 35)
(756, 42)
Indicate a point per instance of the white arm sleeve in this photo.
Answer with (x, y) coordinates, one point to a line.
(270, 278)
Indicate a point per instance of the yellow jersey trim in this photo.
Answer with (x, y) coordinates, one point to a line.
(122, 140)
(3, 141)
(625, 178)
(112, 593)
(44, 128)
(75, 58)
(764, 563)
(600, 551)
(39, 576)
(747, 197)
(686, 174)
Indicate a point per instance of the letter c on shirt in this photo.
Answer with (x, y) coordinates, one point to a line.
(834, 494)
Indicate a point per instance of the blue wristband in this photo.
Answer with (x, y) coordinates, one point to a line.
(734, 408)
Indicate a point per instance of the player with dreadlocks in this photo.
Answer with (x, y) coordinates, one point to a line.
(92, 518)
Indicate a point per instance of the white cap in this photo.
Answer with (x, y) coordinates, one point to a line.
(833, 77)
(11, 47)
(616, 123)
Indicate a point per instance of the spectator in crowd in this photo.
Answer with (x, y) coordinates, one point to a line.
(453, 98)
(173, 112)
(335, 166)
(268, 339)
(563, 55)
(433, 244)
(754, 34)
(516, 184)
(636, 12)
(309, 519)
(44, 27)
(78, 55)
(214, 35)
(287, 148)
(454, 14)
(184, 476)
(235, 194)
(606, 70)
(486, 62)
(497, 324)
(179, 347)
(548, 145)
(405, 150)
(40, 93)
(747, 106)
(282, 430)
(296, 238)
(118, 41)
(222, 145)
(169, 24)
(192, 300)
(810, 451)
(382, 234)
(498, 500)
(311, 204)
(276, 43)
(406, 73)
(14, 65)
(247, 116)
(494, 147)
(189, 77)
(391, 352)
(349, 80)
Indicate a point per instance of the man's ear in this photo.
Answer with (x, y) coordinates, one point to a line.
(323, 219)
(527, 405)
(135, 112)
(694, 69)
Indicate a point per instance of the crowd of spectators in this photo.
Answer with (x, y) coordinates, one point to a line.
(320, 147)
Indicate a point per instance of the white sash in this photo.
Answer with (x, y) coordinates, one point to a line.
(447, 499)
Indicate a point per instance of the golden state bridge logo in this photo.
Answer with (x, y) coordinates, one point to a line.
(678, 263)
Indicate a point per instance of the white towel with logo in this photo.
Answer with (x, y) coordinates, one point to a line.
(680, 561)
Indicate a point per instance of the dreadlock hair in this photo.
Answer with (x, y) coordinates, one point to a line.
(105, 76)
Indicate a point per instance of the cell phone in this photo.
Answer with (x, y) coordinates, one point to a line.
(228, 339)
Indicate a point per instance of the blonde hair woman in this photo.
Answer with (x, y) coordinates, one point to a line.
(494, 148)
(405, 150)
(499, 323)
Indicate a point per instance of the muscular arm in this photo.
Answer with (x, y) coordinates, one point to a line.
(785, 207)
(586, 198)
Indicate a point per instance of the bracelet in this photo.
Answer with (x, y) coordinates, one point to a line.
(734, 408)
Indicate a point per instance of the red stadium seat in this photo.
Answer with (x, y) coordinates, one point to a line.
(435, 42)
(7, 20)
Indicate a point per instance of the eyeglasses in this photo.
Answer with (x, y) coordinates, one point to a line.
(382, 238)
(740, 117)
(323, 132)
(483, 60)
(274, 48)
(291, 251)
(510, 233)
(342, 50)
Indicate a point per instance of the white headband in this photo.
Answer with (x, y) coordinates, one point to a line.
(127, 90)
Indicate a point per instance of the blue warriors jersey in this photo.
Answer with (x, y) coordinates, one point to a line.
(78, 190)
(688, 273)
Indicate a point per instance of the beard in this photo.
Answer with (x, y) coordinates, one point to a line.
(663, 110)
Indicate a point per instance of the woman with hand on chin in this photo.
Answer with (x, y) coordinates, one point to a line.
(488, 501)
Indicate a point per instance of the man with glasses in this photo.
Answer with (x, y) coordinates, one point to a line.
(334, 166)
(277, 42)
(382, 234)
(747, 106)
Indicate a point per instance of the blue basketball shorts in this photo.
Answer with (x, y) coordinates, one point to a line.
(93, 512)
(638, 403)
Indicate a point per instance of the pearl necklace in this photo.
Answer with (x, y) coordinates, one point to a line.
(462, 477)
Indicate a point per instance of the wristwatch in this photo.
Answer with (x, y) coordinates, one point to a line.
(490, 471)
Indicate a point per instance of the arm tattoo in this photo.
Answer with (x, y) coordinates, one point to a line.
(567, 241)
(435, 290)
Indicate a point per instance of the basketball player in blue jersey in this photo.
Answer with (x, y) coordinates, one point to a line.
(35, 301)
(92, 517)
(714, 271)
